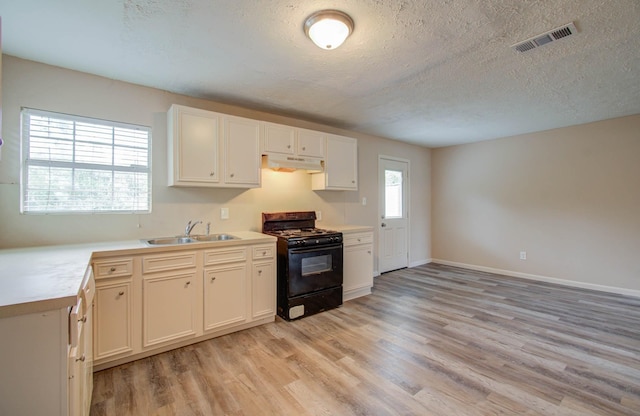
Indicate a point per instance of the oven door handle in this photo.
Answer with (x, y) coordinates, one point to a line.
(312, 249)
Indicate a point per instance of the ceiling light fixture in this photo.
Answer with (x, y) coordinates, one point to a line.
(328, 29)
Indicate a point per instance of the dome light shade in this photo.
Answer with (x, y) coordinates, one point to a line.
(328, 29)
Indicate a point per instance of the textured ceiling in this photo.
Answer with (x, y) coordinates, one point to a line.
(431, 72)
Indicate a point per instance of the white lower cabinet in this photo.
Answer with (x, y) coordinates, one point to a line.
(224, 296)
(357, 265)
(156, 302)
(46, 360)
(113, 317)
(263, 282)
(169, 297)
(169, 307)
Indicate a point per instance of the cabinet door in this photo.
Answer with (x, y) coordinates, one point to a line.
(224, 295)
(263, 295)
(193, 146)
(310, 143)
(279, 138)
(358, 265)
(169, 303)
(112, 320)
(341, 165)
(242, 152)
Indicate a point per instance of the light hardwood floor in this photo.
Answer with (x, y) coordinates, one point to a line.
(431, 340)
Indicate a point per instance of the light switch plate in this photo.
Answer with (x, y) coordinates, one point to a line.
(224, 213)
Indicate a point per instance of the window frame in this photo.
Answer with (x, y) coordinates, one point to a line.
(26, 161)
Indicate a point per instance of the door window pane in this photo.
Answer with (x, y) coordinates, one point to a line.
(393, 194)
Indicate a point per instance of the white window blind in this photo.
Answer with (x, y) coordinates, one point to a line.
(76, 164)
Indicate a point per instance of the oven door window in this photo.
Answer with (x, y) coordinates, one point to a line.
(316, 265)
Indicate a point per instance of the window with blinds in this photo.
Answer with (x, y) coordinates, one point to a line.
(74, 164)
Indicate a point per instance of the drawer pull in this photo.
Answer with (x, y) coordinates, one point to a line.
(112, 269)
(211, 174)
(188, 282)
(213, 278)
(121, 293)
(259, 271)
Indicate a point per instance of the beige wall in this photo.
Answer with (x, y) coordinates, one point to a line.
(35, 85)
(569, 197)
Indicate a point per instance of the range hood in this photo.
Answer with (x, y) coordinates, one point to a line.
(289, 163)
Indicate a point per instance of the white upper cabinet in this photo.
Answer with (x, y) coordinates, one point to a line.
(241, 152)
(196, 153)
(341, 165)
(310, 143)
(193, 138)
(278, 138)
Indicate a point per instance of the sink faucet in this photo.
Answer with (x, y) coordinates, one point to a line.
(189, 227)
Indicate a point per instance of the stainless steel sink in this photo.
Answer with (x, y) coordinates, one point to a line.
(170, 240)
(191, 239)
(215, 237)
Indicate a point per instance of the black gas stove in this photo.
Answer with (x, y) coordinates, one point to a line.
(309, 263)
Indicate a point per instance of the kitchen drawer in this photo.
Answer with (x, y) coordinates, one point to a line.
(168, 261)
(357, 238)
(263, 252)
(224, 256)
(104, 269)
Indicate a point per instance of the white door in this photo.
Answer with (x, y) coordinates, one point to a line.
(393, 185)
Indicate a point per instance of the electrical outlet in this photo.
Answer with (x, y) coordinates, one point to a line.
(364, 201)
(523, 255)
(224, 213)
(319, 215)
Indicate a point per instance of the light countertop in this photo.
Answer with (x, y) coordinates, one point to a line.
(347, 229)
(39, 279)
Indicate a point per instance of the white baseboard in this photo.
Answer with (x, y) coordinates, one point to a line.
(420, 262)
(573, 283)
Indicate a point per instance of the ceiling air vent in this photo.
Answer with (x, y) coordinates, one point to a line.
(544, 38)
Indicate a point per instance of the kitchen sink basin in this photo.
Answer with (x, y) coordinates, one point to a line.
(170, 240)
(215, 237)
(191, 239)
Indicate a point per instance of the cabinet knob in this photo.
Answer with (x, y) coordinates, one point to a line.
(83, 319)
(353, 181)
(304, 148)
(188, 282)
(213, 278)
(369, 251)
(211, 174)
(81, 358)
(121, 293)
(359, 240)
(288, 146)
(259, 271)
(113, 269)
(264, 253)
(231, 175)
